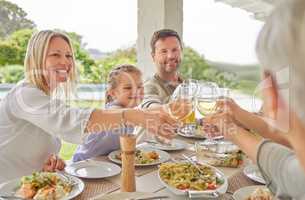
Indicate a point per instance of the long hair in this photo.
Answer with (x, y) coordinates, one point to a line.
(35, 60)
(115, 75)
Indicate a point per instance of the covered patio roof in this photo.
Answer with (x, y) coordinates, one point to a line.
(157, 14)
(260, 8)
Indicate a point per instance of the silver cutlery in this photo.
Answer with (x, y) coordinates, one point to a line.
(192, 162)
(66, 178)
(192, 195)
(149, 198)
(8, 197)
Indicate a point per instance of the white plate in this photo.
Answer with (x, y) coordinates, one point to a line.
(245, 192)
(163, 156)
(10, 187)
(253, 173)
(221, 190)
(93, 169)
(191, 135)
(174, 146)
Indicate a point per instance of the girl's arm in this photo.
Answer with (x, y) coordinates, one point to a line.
(155, 120)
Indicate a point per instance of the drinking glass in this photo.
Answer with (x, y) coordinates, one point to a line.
(185, 93)
(180, 105)
(206, 99)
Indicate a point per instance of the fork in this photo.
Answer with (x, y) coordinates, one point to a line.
(5, 197)
(67, 178)
(192, 162)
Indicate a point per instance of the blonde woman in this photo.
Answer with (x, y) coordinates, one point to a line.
(281, 52)
(32, 121)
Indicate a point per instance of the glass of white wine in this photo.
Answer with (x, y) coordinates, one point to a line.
(189, 123)
(181, 102)
(180, 106)
(206, 99)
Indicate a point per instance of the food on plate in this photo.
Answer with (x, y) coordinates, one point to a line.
(204, 129)
(260, 194)
(143, 157)
(43, 186)
(186, 176)
(233, 160)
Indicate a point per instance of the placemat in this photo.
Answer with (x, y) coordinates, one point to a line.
(240, 180)
(96, 187)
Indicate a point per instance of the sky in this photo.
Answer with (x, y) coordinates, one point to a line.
(218, 31)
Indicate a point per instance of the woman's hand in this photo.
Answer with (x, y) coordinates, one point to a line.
(229, 106)
(53, 163)
(225, 124)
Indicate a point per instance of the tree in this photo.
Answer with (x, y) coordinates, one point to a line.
(99, 71)
(81, 54)
(194, 66)
(13, 48)
(12, 18)
(8, 53)
(11, 74)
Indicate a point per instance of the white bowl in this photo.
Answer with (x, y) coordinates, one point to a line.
(220, 190)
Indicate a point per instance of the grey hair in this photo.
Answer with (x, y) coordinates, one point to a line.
(280, 49)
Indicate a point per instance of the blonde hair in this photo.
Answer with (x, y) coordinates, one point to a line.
(114, 76)
(35, 60)
(281, 50)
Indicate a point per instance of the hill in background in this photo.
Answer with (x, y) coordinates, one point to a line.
(248, 76)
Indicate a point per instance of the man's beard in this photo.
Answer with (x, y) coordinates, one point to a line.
(169, 69)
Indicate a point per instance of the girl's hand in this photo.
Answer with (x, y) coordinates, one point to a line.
(53, 163)
(157, 121)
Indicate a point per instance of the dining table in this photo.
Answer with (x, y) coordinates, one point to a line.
(147, 179)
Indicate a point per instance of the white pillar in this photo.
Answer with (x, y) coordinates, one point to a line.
(154, 15)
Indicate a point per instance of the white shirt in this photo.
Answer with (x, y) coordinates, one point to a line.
(31, 124)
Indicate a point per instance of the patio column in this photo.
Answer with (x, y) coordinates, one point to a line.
(154, 15)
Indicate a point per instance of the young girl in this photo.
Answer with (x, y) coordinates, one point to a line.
(125, 90)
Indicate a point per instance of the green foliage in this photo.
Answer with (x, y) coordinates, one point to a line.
(12, 18)
(11, 73)
(21, 38)
(81, 54)
(118, 57)
(8, 53)
(13, 48)
(195, 66)
(67, 150)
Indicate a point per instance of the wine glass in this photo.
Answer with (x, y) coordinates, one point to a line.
(180, 105)
(190, 87)
(206, 99)
(181, 102)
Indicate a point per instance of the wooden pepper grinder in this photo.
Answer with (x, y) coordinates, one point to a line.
(128, 146)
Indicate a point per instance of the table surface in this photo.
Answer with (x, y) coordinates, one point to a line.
(147, 178)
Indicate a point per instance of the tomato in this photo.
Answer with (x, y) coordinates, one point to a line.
(211, 186)
(183, 186)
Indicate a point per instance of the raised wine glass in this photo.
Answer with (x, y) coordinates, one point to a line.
(206, 99)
